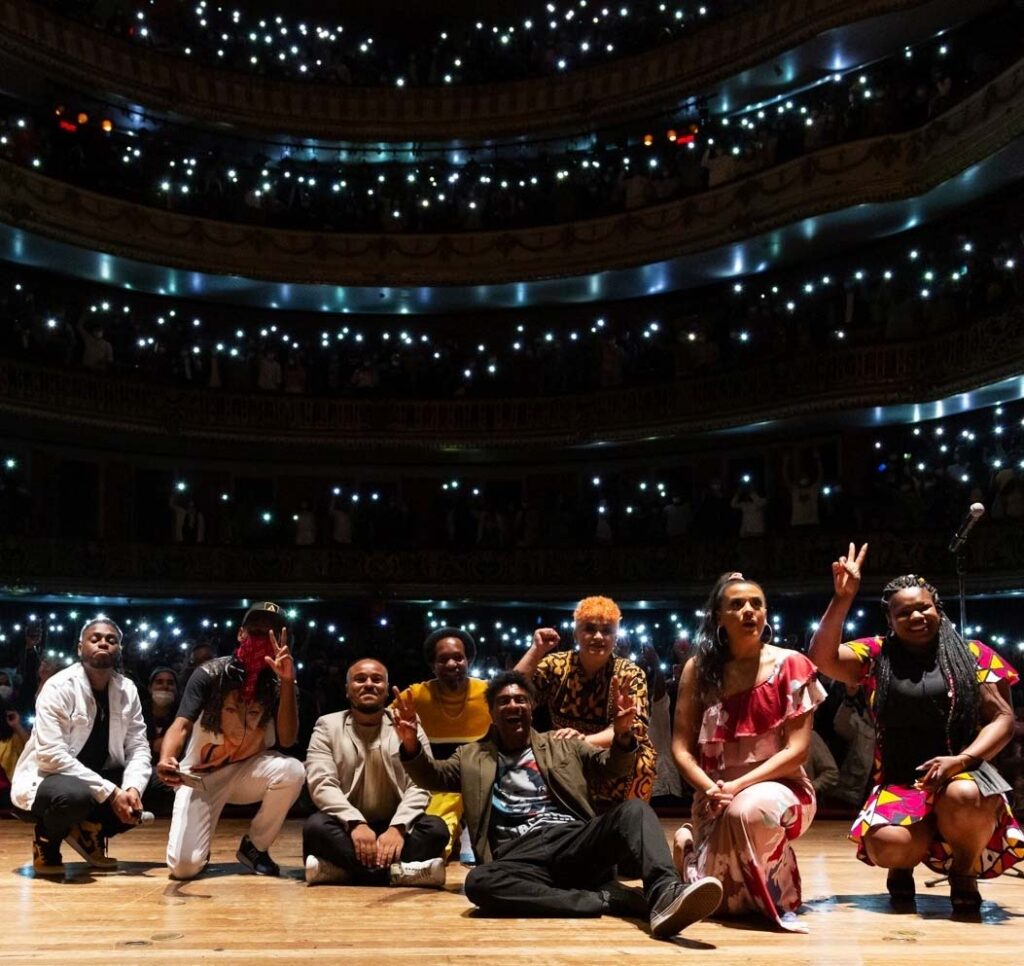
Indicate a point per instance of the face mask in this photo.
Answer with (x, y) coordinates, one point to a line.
(6, 691)
(162, 698)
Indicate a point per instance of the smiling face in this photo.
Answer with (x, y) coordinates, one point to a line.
(595, 639)
(742, 613)
(99, 645)
(913, 616)
(450, 664)
(367, 686)
(512, 714)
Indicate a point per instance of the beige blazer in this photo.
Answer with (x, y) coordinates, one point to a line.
(334, 770)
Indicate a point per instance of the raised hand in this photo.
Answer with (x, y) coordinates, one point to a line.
(546, 639)
(624, 708)
(846, 572)
(565, 733)
(282, 663)
(403, 717)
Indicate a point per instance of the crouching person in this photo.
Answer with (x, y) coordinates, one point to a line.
(82, 772)
(370, 827)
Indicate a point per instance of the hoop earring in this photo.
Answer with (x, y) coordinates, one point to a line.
(722, 636)
(767, 633)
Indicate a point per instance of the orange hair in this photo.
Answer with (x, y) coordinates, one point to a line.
(597, 609)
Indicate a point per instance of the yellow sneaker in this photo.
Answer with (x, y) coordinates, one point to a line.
(46, 857)
(88, 840)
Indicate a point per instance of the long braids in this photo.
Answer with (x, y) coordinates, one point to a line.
(955, 660)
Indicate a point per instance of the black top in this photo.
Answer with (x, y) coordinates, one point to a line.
(915, 715)
(94, 753)
(204, 693)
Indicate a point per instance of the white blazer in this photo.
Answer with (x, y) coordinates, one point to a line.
(65, 715)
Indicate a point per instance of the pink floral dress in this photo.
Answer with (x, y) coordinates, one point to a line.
(747, 846)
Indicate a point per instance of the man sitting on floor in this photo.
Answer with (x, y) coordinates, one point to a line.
(83, 770)
(232, 712)
(533, 828)
(370, 828)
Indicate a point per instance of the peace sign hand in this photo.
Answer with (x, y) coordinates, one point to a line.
(846, 572)
(625, 709)
(403, 717)
(282, 663)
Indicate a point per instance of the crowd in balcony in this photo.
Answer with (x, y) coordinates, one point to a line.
(546, 38)
(928, 281)
(420, 190)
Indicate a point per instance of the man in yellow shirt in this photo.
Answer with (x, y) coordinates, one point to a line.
(453, 711)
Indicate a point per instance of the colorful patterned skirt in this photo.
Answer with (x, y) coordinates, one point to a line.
(902, 805)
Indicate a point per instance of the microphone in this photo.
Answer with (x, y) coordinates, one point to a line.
(143, 818)
(974, 514)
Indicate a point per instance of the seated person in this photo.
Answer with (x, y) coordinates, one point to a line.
(542, 850)
(370, 827)
(243, 705)
(83, 769)
(13, 737)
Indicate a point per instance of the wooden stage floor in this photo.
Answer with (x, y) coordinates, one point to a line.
(138, 915)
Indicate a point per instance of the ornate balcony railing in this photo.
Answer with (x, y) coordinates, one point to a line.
(105, 64)
(842, 379)
(871, 170)
(798, 561)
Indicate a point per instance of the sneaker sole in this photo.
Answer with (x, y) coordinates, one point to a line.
(698, 903)
(104, 863)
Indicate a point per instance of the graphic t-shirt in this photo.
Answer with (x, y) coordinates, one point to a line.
(213, 697)
(521, 800)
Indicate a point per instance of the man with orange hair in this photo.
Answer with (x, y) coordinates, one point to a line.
(575, 688)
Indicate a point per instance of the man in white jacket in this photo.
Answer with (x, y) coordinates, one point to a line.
(82, 772)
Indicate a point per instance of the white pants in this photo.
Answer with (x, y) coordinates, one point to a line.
(270, 778)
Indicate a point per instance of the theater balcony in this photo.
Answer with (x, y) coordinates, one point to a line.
(811, 205)
(33, 38)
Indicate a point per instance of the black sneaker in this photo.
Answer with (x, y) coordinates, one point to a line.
(254, 860)
(681, 905)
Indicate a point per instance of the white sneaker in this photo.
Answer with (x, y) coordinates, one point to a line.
(320, 871)
(421, 875)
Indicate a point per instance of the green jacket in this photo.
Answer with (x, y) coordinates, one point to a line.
(565, 764)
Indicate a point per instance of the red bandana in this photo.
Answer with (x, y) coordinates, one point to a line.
(251, 653)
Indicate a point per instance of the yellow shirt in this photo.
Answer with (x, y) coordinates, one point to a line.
(10, 752)
(450, 719)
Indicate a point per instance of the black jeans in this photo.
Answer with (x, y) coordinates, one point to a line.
(63, 802)
(325, 837)
(558, 871)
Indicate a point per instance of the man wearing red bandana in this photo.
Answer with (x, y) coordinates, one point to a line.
(234, 710)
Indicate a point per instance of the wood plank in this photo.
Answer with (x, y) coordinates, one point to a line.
(138, 915)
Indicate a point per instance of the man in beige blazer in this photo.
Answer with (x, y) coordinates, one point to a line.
(370, 827)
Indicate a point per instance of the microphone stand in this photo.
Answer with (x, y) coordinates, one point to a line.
(961, 587)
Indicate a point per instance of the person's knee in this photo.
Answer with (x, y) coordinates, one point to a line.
(745, 812)
(290, 771)
(479, 885)
(73, 802)
(186, 867)
(892, 848)
(434, 830)
(959, 795)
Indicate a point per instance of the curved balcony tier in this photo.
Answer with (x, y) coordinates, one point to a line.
(35, 38)
(874, 170)
(852, 381)
(796, 562)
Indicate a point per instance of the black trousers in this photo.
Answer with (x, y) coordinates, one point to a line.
(325, 837)
(62, 802)
(558, 871)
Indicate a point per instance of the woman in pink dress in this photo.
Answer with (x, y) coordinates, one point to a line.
(742, 730)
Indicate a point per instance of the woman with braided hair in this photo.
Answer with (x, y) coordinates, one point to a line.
(941, 707)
